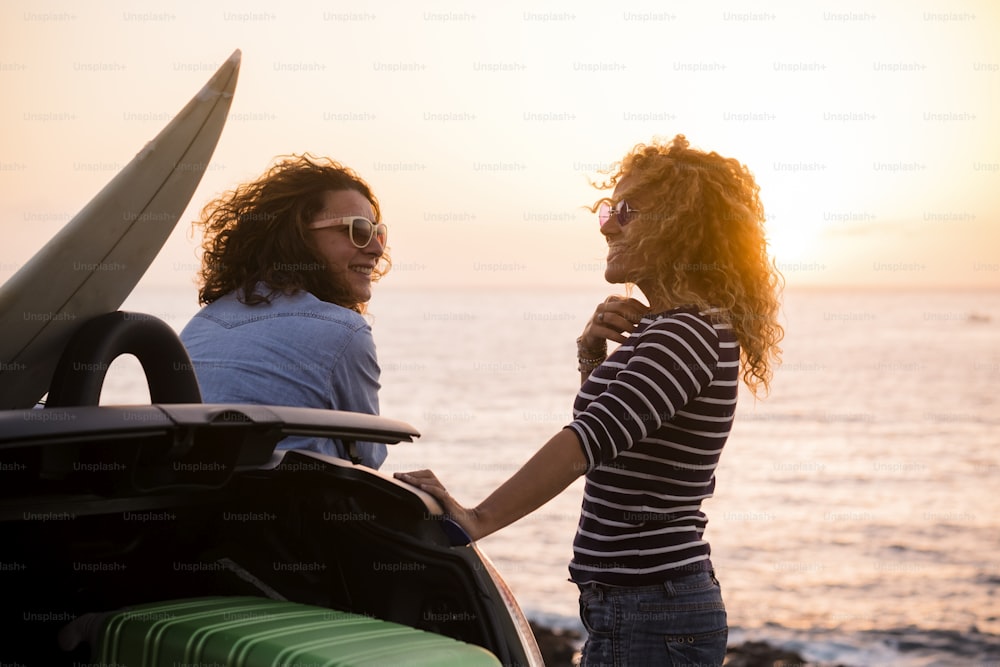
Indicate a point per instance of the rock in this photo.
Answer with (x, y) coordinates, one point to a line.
(558, 647)
(762, 654)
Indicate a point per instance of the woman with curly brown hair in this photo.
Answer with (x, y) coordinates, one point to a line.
(650, 420)
(287, 271)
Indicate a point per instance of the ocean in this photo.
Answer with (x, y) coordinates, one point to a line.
(856, 518)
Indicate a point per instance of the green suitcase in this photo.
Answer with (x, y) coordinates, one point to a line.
(254, 632)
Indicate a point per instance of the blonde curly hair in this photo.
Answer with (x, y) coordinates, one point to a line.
(703, 243)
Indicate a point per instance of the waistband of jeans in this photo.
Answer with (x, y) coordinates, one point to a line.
(699, 567)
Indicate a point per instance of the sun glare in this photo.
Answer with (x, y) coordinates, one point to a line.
(788, 242)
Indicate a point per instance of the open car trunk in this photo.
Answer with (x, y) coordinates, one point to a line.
(107, 508)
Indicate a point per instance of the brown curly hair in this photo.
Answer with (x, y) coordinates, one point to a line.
(256, 233)
(703, 243)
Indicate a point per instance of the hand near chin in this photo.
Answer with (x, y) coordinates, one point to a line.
(427, 481)
(614, 318)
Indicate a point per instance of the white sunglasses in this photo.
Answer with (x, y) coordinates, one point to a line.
(361, 229)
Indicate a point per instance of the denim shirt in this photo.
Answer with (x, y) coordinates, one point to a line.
(296, 350)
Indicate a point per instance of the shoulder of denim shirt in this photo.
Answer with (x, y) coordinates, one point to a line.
(233, 312)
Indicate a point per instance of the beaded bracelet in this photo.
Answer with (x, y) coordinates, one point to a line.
(589, 359)
(581, 351)
(592, 360)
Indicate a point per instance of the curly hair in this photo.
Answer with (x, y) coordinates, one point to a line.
(703, 243)
(256, 233)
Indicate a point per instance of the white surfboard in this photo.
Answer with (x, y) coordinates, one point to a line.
(95, 261)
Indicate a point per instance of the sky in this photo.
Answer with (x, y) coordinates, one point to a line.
(872, 128)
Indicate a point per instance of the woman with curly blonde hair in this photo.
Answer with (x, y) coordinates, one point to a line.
(287, 270)
(686, 227)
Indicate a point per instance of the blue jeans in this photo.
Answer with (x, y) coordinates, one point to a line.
(676, 623)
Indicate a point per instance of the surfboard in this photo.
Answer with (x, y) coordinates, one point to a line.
(92, 264)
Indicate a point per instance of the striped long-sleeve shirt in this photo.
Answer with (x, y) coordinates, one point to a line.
(652, 421)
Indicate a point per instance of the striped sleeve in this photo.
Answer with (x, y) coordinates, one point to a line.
(669, 364)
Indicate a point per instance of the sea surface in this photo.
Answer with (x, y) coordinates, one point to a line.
(857, 514)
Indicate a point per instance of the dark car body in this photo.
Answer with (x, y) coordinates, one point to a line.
(108, 508)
